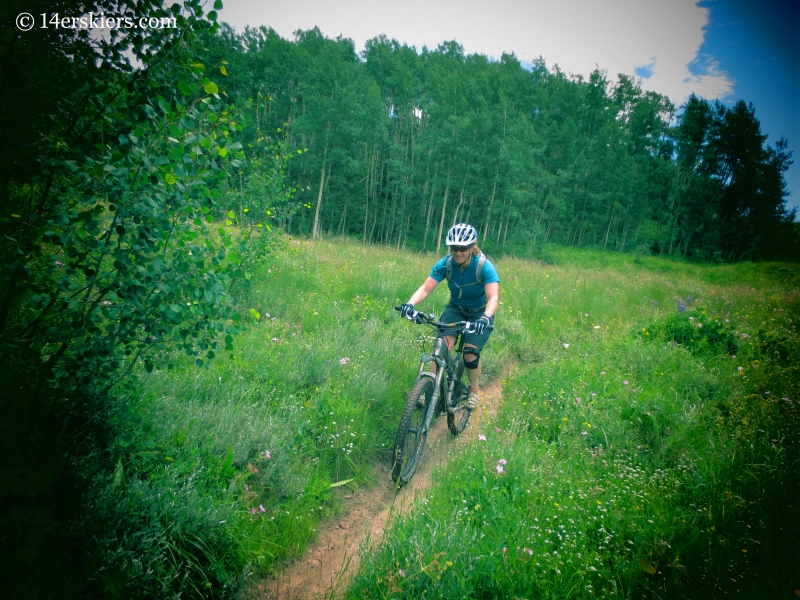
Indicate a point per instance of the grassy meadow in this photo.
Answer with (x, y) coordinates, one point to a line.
(639, 451)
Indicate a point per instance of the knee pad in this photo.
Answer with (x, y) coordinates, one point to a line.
(472, 364)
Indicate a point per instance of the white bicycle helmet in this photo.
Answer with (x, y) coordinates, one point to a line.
(462, 234)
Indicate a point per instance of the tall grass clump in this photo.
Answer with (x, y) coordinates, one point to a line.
(646, 446)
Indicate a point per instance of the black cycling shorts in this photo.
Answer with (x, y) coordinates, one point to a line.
(453, 313)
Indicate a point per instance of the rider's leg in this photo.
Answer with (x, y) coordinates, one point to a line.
(473, 365)
(474, 374)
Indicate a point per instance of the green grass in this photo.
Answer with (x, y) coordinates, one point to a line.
(638, 459)
(187, 500)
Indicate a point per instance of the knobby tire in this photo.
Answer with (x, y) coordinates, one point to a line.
(410, 440)
(457, 421)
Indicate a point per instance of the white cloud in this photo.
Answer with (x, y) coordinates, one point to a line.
(578, 35)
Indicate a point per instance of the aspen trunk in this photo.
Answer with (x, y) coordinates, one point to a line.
(366, 200)
(611, 220)
(444, 208)
(460, 202)
(489, 208)
(316, 230)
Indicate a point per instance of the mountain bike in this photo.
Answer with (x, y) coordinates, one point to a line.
(445, 390)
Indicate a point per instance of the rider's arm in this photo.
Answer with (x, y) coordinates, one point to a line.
(423, 291)
(492, 298)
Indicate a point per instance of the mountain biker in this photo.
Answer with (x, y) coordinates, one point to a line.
(474, 295)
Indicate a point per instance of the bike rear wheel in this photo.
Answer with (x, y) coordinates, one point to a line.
(458, 415)
(410, 438)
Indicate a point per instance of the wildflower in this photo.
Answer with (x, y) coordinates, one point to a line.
(584, 432)
(401, 572)
(578, 400)
(593, 394)
(681, 306)
(565, 345)
(787, 400)
(774, 440)
(344, 361)
(655, 303)
(59, 263)
(246, 488)
(626, 382)
(699, 324)
(481, 437)
(739, 368)
(502, 461)
(254, 511)
(733, 356)
(602, 372)
(499, 469)
(267, 455)
(744, 335)
(688, 299)
(261, 508)
(498, 430)
(275, 339)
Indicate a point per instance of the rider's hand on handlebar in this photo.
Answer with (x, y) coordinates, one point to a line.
(407, 311)
(480, 325)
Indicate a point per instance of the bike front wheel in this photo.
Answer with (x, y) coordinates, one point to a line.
(458, 413)
(410, 438)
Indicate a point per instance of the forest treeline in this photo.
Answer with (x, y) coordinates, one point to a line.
(401, 144)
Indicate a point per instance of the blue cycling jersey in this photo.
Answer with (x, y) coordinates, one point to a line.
(465, 291)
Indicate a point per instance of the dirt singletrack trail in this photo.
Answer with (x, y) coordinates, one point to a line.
(329, 563)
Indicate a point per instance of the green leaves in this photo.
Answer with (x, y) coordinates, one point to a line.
(211, 88)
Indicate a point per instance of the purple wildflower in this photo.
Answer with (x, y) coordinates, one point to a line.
(481, 437)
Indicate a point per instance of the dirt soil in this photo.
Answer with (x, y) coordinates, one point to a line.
(329, 563)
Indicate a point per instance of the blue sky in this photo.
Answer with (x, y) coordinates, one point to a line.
(758, 45)
(717, 49)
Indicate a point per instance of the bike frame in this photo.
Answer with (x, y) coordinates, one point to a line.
(444, 381)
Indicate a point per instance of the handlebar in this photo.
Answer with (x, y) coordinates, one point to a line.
(461, 326)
